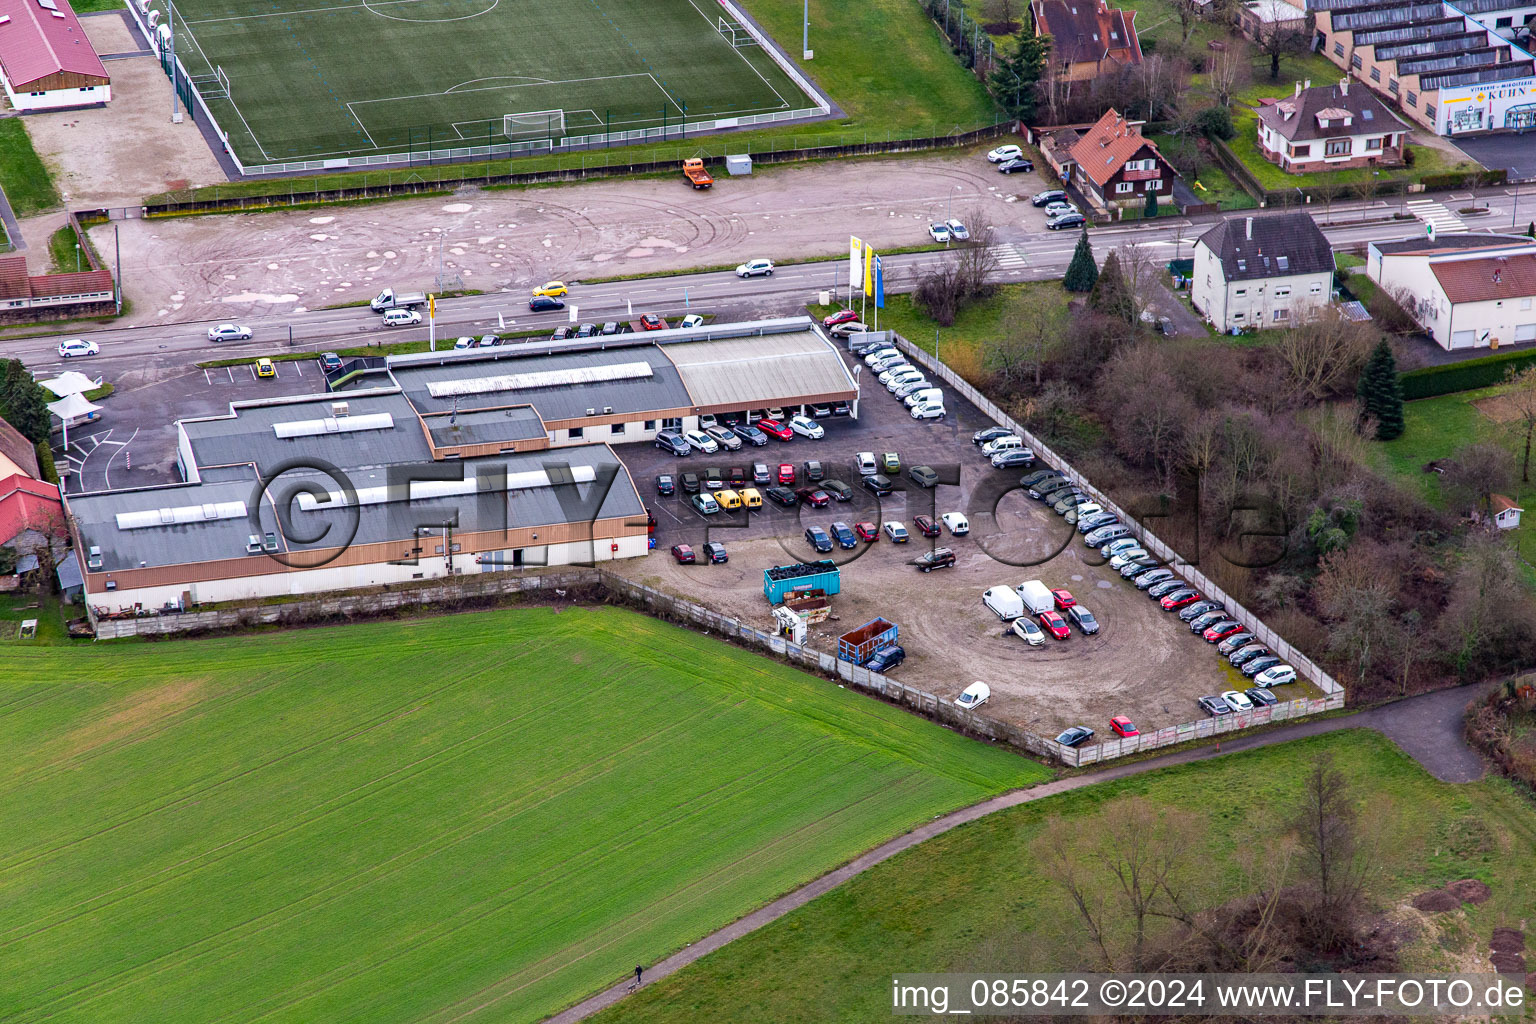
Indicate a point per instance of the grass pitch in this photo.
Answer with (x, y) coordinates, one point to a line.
(476, 817)
(322, 79)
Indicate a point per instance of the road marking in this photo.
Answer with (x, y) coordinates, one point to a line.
(231, 370)
(1431, 211)
(106, 472)
(207, 378)
(1011, 256)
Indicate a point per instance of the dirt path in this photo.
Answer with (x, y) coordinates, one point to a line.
(1427, 727)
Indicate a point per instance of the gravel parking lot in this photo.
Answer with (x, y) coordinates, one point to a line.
(1143, 663)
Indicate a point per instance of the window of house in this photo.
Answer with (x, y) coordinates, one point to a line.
(1373, 143)
(673, 422)
(1302, 150)
(1429, 111)
(1356, 63)
(1155, 185)
(617, 428)
(1336, 147)
(575, 432)
(1125, 186)
(1375, 74)
(1504, 23)
(1282, 315)
(650, 424)
(1237, 316)
(1338, 49)
(1240, 292)
(1282, 292)
(1316, 289)
(1525, 303)
(1392, 86)
(1413, 99)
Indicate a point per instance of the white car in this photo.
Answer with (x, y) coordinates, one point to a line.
(691, 320)
(939, 231)
(928, 411)
(1059, 208)
(401, 318)
(973, 696)
(866, 463)
(700, 441)
(1114, 547)
(895, 532)
(893, 370)
(755, 268)
(1237, 701)
(466, 343)
(78, 347)
(956, 523)
(1125, 556)
(871, 358)
(851, 327)
(1276, 675)
(807, 427)
(957, 230)
(902, 380)
(1008, 442)
(1002, 153)
(231, 332)
(1025, 629)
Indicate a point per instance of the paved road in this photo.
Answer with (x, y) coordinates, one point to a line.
(1427, 727)
(1023, 256)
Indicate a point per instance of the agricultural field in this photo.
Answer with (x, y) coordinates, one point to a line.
(976, 899)
(478, 817)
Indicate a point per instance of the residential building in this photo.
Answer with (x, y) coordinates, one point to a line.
(1114, 165)
(1257, 18)
(46, 61)
(31, 519)
(1268, 271)
(1466, 291)
(1452, 67)
(17, 453)
(1330, 127)
(1088, 37)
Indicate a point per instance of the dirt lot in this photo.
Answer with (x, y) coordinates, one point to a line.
(1143, 662)
(117, 154)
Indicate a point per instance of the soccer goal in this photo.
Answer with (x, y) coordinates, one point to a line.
(534, 124)
(214, 86)
(734, 33)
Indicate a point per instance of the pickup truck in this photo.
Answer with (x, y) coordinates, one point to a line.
(698, 177)
(389, 299)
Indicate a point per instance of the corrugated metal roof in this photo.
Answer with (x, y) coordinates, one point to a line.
(36, 43)
(751, 371)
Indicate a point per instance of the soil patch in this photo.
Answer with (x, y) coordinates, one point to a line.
(1507, 940)
(1508, 963)
(1470, 890)
(1437, 901)
(1499, 408)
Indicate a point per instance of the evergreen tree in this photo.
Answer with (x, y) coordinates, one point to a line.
(23, 402)
(1381, 394)
(1016, 76)
(1111, 295)
(1151, 206)
(1082, 272)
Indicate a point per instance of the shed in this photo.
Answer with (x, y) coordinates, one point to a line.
(1506, 514)
(741, 164)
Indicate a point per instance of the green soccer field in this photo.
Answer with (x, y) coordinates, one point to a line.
(478, 817)
(297, 80)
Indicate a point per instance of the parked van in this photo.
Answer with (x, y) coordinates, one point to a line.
(728, 499)
(1104, 534)
(1004, 602)
(1008, 443)
(925, 396)
(750, 497)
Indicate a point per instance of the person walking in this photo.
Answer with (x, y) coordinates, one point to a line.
(638, 972)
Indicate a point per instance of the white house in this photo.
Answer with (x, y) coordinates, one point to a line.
(46, 61)
(1330, 127)
(1267, 271)
(1466, 291)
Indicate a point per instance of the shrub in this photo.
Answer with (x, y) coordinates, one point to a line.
(1409, 156)
(1215, 123)
(1464, 376)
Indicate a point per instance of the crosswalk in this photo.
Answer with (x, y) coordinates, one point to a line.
(1431, 212)
(1011, 256)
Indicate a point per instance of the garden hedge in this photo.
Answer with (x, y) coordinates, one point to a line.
(1464, 376)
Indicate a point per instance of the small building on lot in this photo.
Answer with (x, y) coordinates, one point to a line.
(1466, 291)
(1114, 165)
(1258, 18)
(26, 297)
(1255, 272)
(1506, 514)
(46, 61)
(1088, 37)
(1330, 127)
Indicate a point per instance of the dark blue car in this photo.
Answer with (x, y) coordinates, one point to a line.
(817, 538)
(843, 534)
(886, 658)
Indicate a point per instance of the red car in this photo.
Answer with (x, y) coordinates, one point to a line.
(842, 316)
(1222, 630)
(866, 531)
(774, 428)
(1173, 600)
(787, 473)
(926, 526)
(1055, 625)
(1122, 726)
(812, 497)
(684, 554)
(1064, 598)
(652, 322)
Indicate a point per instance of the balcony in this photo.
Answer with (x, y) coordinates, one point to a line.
(1130, 175)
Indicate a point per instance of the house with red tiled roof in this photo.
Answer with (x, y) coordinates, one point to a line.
(46, 61)
(1088, 37)
(26, 296)
(31, 513)
(1466, 291)
(17, 454)
(1113, 164)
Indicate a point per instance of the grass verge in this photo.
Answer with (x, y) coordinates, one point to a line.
(974, 899)
(27, 184)
(396, 820)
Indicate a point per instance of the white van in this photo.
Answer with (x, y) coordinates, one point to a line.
(928, 411)
(1004, 602)
(924, 397)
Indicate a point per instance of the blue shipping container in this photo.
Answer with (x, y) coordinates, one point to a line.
(785, 579)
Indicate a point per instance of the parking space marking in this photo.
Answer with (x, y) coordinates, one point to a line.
(206, 377)
(231, 370)
(107, 470)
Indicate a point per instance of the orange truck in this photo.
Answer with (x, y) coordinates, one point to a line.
(698, 177)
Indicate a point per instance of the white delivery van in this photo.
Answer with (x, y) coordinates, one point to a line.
(1036, 596)
(1004, 602)
(923, 397)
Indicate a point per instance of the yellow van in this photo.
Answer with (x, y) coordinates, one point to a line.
(750, 497)
(728, 499)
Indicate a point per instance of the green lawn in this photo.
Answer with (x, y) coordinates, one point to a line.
(481, 816)
(1427, 160)
(64, 252)
(16, 609)
(974, 899)
(22, 174)
(1215, 185)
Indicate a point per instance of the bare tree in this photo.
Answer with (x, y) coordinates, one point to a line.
(977, 263)
(1033, 321)
(1522, 398)
(1367, 187)
(1158, 81)
(1328, 191)
(1477, 472)
(1185, 11)
(1336, 853)
(1488, 619)
(1323, 356)
(1230, 70)
(1139, 267)
(1355, 591)
(1277, 40)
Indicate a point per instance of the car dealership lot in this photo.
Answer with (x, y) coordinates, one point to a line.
(1143, 662)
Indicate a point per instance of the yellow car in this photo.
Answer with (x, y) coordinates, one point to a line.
(728, 499)
(264, 368)
(554, 289)
(750, 497)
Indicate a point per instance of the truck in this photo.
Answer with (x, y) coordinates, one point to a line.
(389, 299)
(1036, 597)
(698, 177)
(859, 645)
(822, 574)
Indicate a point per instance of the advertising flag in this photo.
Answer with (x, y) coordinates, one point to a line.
(879, 285)
(869, 272)
(855, 264)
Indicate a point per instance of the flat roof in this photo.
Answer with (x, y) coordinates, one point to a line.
(310, 431)
(519, 423)
(750, 371)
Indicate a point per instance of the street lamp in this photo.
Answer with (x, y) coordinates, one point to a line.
(1514, 212)
(77, 257)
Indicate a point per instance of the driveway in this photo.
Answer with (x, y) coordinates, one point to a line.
(1515, 153)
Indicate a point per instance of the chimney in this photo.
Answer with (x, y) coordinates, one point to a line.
(1309, 84)
(1250, 229)
(1344, 86)
(1298, 89)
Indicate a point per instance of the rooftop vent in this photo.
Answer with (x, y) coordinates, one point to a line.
(47, 5)
(93, 558)
(339, 408)
(591, 412)
(607, 409)
(253, 544)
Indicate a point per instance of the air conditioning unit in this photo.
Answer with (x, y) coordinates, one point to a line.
(338, 408)
(93, 558)
(591, 412)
